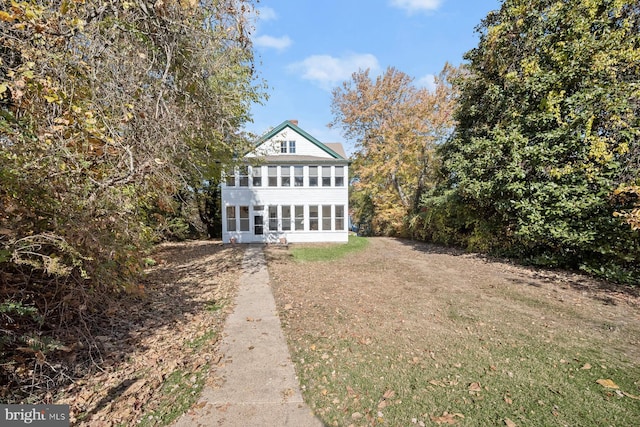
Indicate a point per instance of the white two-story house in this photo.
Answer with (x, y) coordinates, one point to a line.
(291, 188)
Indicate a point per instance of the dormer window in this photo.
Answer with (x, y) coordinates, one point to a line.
(287, 147)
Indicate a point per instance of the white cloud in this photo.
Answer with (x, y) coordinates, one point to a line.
(266, 14)
(328, 71)
(279, 43)
(428, 82)
(259, 16)
(416, 5)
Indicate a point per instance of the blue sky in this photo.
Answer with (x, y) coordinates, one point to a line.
(305, 48)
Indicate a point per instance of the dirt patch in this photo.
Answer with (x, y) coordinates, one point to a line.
(170, 330)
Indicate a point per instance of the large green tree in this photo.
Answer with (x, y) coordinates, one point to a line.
(549, 129)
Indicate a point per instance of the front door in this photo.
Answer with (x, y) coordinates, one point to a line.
(258, 227)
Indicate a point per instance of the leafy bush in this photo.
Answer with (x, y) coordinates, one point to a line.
(544, 159)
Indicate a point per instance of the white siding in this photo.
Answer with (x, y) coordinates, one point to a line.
(304, 147)
(289, 196)
(259, 199)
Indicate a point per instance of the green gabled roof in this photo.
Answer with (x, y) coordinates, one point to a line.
(276, 130)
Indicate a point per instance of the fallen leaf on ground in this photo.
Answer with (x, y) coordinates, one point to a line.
(586, 366)
(350, 391)
(607, 383)
(631, 395)
(475, 387)
(446, 418)
(384, 401)
(389, 394)
(509, 423)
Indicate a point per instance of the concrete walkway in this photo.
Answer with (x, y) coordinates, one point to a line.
(260, 387)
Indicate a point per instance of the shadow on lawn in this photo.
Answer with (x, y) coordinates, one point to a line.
(608, 293)
(183, 283)
(188, 280)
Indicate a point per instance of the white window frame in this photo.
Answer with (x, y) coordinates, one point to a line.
(338, 222)
(313, 176)
(286, 217)
(298, 224)
(314, 224)
(272, 176)
(285, 176)
(231, 218)
(326, 217)
(298, 176)
(339, 176)
(256, 171)
(273, 220)
(244, 218)
(326, 176)
(243, 176)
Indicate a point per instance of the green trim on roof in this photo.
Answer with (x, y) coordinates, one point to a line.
(273, 132)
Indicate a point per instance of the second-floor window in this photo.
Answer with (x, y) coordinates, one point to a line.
(273, 176)
(339, 178)
(244, 176)
(257, 176)
(230, 178)
(298, 176)
(285, 176)
(326, 176)
(313, 176)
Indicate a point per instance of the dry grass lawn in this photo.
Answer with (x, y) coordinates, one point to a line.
(403, 333)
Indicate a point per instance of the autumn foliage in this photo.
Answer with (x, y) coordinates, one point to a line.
(396, 126)
(108, 110)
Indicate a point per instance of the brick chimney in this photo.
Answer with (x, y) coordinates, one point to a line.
(295, 122)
